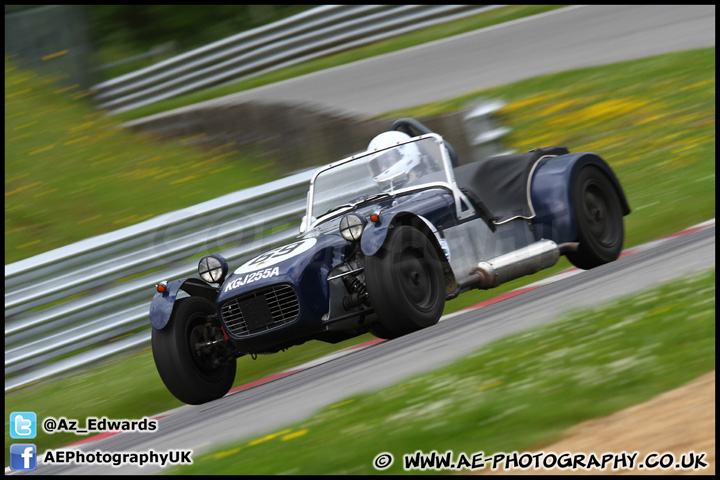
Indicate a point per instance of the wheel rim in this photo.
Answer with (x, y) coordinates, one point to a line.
(416, 279)
(598, 216)
(195, 335)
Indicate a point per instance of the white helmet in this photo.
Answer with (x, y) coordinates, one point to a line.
(401, 159)
(387, 139)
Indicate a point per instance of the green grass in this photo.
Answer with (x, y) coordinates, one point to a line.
(652, 119)
(518, 393)
(70, 174)
(449, 29)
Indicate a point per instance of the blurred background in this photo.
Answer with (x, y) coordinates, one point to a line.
(140, 138)
(106, 41)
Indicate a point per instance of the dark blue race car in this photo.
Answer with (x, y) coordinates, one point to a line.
(389, 235)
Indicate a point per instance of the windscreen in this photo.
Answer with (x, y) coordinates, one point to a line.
(402, 166)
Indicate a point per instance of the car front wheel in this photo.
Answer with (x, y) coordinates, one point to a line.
(405, 283)
(187, 356)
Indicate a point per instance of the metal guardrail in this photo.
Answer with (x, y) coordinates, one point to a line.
(314, 33)
(48, 331)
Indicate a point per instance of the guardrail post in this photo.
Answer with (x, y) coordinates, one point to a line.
(484, 131)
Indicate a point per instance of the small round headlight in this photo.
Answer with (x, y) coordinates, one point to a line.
(351, 227)
(213, 268)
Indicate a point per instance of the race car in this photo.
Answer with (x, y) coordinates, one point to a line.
(389, 236)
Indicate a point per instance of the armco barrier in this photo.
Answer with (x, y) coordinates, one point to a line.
(113, 277)
(314, 33)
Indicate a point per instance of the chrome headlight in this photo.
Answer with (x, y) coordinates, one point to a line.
(213, 268)
(351, 227)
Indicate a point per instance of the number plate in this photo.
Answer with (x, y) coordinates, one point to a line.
(256, 313)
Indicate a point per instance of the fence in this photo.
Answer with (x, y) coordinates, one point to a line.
(317, 32)
(75, 305)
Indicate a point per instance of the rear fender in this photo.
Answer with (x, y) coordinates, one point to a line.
(551, 194)
(162, 304)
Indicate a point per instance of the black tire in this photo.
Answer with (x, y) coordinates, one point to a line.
(190, 377)
(406, 283)
(380, 331)
(599, 218)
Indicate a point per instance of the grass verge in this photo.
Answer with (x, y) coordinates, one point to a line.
(518, 393)
(70, 174)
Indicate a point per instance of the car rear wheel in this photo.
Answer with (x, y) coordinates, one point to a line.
(599, 219)
(193, 374)
(406, 283)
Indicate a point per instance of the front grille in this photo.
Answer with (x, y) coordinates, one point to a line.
(261, 310)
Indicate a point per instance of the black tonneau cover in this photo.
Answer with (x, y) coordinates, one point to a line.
(497, 186)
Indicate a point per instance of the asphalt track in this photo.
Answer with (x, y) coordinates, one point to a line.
(270, 406)
(564, 39)
(571, 38)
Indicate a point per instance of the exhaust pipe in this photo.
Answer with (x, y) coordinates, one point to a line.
(525, 261)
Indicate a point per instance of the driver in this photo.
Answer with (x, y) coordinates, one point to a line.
(396, 163)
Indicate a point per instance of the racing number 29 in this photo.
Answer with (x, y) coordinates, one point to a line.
(278, 252)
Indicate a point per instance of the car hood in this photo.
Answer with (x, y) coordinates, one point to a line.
(304, 264)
